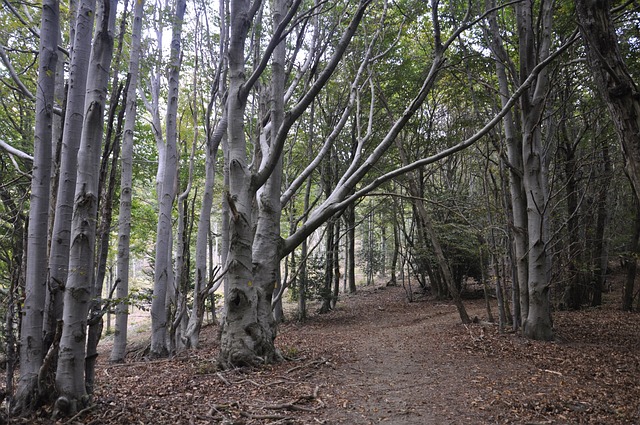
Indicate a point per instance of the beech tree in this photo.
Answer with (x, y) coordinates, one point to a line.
(163, 276)
(70, 374)
(31, 345)
(124, 216)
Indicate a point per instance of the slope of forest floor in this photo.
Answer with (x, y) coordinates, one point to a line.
(378, 358)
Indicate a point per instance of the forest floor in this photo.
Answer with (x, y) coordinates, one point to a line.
(380, 359)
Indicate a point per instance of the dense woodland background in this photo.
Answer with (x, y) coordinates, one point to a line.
(157, 155)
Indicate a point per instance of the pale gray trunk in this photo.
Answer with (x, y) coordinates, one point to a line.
(163, 267)
(72, 132)
(178, 327)
(124, 217)
(515, 166)
(214, 137)
(247, 336)
(70, 380)
(538, 324)
(201, 284)
(31, 345)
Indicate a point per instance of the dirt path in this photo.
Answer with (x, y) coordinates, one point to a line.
(400, 367)
(414, 363)
(379, 359)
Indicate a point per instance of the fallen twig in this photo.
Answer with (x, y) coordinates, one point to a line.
(223, 379)
(314, 363)
(82, 412)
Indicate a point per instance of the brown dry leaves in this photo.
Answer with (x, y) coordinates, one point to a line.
(378, 358)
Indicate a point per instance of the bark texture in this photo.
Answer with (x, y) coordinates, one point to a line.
(28, 396)
(163, 268)
(126, 187)
(70, 375)
(613, 79)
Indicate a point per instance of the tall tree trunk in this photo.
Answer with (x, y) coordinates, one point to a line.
(163, 266)
(601, 246)
(538, 324)
(31, 345)
(74, 117)
(335, 291)
(351, 249)
(126, 187)
(613, 79)
(214, 136)
(574, 292)
(96, 312)
(70, 381)
(242, 339)
(631, 262)
(515, 165)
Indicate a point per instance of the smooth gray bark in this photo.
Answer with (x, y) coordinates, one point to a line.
(513, 144)
(72, 132)
(163, 266)
(31, 345)
(126, 187)
(538, 324)
(70, 375)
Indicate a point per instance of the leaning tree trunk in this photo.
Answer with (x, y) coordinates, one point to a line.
(613, 79)
(70, 379)
(163, 267)
(31, 346)
(430, 232)
(126, 187)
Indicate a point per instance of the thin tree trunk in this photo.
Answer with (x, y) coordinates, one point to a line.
(631, 262)
(163, 267)
(124, 215)
(601, 246)
(351, 250)
(538, 324)
(516, 169)
(103, 236)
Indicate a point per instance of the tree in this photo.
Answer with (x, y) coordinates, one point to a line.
(163, 254)
(71, 134)
(613, 79)
(31, 344)
(124, 215)
(70, 374)
(248, 333)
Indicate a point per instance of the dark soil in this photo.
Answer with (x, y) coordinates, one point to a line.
(378, 358)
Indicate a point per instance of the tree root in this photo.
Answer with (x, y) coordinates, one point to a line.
(251, 412)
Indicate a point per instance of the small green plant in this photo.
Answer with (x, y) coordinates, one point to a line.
(290, 352)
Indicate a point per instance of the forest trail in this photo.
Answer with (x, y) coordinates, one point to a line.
(380, 359)
(399, 363)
